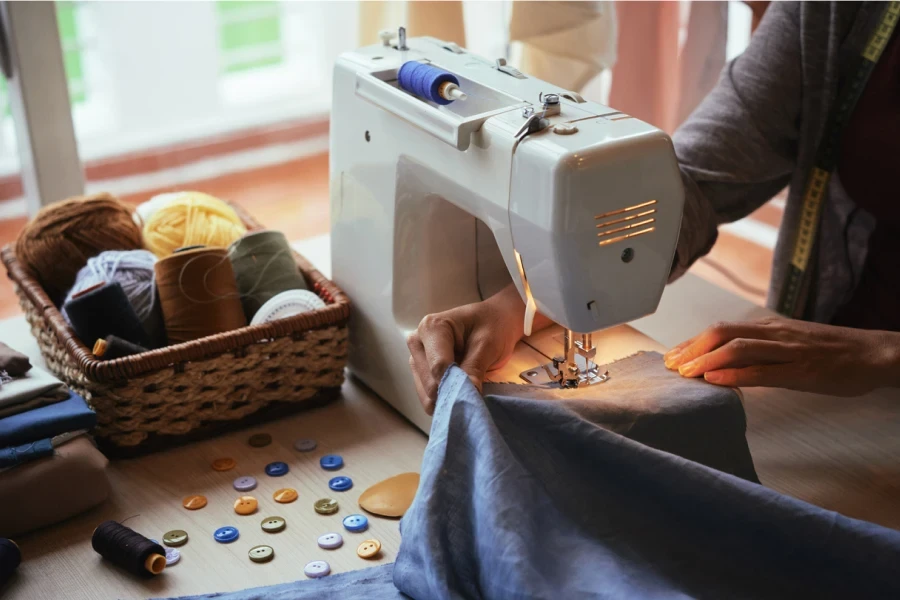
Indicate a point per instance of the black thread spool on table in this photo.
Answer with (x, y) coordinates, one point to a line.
(128, 549)
(10, 557)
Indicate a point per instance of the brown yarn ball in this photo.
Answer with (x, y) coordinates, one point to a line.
(63, 236)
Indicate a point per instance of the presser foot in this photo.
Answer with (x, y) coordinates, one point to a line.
(575, 369)
(565, 378)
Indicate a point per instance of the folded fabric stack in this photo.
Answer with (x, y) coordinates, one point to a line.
(43, 424)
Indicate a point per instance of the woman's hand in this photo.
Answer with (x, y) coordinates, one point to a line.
(479, 337)
(797, 355)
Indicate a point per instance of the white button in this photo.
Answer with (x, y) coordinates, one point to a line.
(565, 129)
(316, 569)
(330, 541)
(172, 556)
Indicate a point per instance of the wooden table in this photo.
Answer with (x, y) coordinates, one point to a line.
(838, 453)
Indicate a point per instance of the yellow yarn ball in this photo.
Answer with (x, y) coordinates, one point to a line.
(190, 219)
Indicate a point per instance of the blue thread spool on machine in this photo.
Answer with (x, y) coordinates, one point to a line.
(429, 82)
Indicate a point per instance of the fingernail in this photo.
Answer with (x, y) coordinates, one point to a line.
(713, 377)
(671, 359)
(688, 370)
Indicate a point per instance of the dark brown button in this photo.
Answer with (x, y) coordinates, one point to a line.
(260, 440)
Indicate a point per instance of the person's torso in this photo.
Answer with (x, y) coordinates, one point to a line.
(868, 165)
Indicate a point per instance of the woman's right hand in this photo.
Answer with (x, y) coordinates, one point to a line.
(479, 337)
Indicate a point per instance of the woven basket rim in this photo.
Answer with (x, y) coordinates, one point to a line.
(337, 313)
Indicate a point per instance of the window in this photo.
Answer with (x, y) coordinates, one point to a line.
(67, 19)
(249, 35)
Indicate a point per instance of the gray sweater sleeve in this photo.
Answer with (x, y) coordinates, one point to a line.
(739, 147)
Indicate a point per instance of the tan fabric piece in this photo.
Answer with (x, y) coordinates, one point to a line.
(32, 390)
(564, 43)
(391, 497)
(52, 489)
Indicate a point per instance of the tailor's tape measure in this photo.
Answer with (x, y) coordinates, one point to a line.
(826, 157)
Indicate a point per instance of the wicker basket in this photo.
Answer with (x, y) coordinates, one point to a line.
(188, 391)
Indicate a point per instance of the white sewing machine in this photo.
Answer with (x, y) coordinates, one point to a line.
(436, 206)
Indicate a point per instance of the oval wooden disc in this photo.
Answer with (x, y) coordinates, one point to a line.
(391, 497)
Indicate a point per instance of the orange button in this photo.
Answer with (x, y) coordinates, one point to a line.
(223, 464)
(369, 549)
(245, 505)
(285, 495)
(194, 502)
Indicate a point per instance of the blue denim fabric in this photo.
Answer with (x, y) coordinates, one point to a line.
(524, 498)
(369, 584)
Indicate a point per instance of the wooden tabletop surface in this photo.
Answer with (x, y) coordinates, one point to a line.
(838, 453)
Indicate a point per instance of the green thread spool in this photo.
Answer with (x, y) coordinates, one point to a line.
(264, 267)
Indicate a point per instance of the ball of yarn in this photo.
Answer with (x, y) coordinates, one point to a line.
(133, 269)
(192, 218)
(63, 236)
(147, 209)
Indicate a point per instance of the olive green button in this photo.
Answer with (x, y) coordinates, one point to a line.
(176, 537)
(273, 524)
(259, 440)
(261, 554)
(326, 506)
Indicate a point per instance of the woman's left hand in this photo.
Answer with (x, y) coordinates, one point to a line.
(797, 355)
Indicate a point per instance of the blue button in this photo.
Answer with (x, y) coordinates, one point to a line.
(226, 535)
(277, 469)
(331, 462)
(356, 523)
(340, 484)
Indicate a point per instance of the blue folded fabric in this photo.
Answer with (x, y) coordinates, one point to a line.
(72, 414)
(529, 499)
(16, 455)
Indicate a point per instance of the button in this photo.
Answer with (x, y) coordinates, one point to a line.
(244, 484)
(331, 462)
(326, 506)
(176, 537)
(356, 523)
(226, 535)
(223, 464)
(305, 445)
(260, 440)
(172, 556)
(330, 541)
(316, 569)
(273, 524)
(261, 554)
(285, 495)
(277, 469)
(369, 549)
(565, 129)
(340, 484)
(245, 505)
(194, 502)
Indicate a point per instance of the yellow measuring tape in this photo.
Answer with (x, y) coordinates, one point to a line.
(826, 158)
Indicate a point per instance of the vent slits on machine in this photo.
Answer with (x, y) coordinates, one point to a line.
(628, 222)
